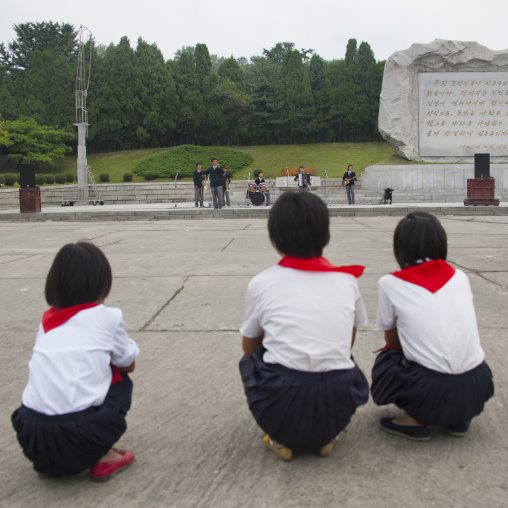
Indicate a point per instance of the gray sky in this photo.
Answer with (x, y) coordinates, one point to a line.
(232, 27)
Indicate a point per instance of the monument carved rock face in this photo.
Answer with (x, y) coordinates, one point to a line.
(450, 116)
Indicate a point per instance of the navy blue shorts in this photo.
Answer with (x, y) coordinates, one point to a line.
(430, 397)
(60, 445)
(302, 410)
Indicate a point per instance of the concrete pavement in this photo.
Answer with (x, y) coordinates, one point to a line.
(181, 285)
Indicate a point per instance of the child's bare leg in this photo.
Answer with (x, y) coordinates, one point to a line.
(406, 420)
(111, 455)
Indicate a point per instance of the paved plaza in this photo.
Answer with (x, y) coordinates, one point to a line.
(181, 286)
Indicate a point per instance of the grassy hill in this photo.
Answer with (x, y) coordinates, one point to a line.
(335, 157)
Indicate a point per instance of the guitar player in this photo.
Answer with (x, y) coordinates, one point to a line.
(348, 180)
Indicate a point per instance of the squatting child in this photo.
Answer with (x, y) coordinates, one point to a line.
(433, 366)
(78, 393)
(301, 382)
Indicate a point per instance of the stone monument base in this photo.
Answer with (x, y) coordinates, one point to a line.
(430, 182)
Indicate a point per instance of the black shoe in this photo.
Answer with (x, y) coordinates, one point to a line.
(196, 205)
(415, 433)
(459, 430)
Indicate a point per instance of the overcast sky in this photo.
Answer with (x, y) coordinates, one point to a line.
(233, 27)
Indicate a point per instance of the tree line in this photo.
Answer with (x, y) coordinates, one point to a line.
(137, 99)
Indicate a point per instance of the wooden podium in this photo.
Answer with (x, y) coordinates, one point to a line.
(30, 200)
(480, 191)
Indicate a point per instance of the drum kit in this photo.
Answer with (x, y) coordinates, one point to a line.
(257, 193)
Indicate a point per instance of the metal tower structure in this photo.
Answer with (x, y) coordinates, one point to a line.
(84, 172)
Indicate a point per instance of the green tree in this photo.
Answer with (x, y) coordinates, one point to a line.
(192, 108)
(155, 97)
(230, 69)
(47, 89)
(295, 95)
(317, 77)
(111, 103)
(30, 142)
(59, 39)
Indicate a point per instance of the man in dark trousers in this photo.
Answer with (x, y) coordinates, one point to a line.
(258, 181)
(215, 172)
(348, 180)
(226, 180)
(198, 186)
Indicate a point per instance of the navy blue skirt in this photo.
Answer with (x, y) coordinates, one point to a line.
(430, 397)
(302, 410)
(60, 445)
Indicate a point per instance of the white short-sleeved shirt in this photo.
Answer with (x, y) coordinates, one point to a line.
(437, 330)
(70, 366)
(307, 317)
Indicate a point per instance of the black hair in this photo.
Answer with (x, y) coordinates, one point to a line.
(198, 164)
(350, 166)
(298, 224)
(214, 159)
(418, 236)
(301, 167)
(80, 274)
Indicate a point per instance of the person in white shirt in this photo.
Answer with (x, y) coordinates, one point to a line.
(301, 382)
(433, 365)
(79, 391)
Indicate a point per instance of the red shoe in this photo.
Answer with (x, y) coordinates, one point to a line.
(103, 471)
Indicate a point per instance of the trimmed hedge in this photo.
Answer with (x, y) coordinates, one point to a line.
(127, 177)
(10, 179)
(183, 159)
(40, 179)
(60, 179)
(50, 179)
(70, 177)
(104, 177)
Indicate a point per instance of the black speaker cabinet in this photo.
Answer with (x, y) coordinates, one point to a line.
(27, 176)
(482, 165)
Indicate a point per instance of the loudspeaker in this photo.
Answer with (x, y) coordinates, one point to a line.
(482, 165)
(27, 176)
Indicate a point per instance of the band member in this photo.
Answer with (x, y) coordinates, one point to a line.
(303, 180)
(226, 180)
(198, 186)
(215, 172)
(258, 181)
(348, 180)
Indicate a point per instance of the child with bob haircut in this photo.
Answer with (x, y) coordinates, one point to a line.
(78, 392)
(301, 383)
(433, 365)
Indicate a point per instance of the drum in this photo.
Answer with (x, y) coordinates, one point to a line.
(263, 187)
(257, 198)
(252, 188)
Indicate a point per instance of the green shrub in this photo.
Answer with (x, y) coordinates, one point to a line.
(104, 177)
(183, 159)
(60, 179)
(127, 177)
(40, 179)
(50, 179)
(150, 175)
(70, 177)
(10, 179)
(2, 179)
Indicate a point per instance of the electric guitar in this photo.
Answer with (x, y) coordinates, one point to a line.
(347, 180)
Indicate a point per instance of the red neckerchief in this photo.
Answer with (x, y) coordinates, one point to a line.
(53, 318)
(431, 275)
(319, 265)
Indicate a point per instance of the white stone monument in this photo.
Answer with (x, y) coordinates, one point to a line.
(441, 103)
(446, 101)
